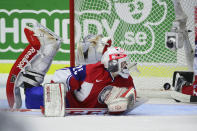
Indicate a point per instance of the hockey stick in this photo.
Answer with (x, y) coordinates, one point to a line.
(69, 111)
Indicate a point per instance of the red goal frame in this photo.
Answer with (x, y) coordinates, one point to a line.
(72, 33)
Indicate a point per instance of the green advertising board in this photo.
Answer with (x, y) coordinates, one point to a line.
(14, 15)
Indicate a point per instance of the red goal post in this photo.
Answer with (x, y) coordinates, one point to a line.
(72, 33)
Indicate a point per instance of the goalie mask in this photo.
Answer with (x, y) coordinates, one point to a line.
(115, 61)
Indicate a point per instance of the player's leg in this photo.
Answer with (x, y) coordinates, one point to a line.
(31, 66)
(184, 87)
(34, 97)
(184, 83)
(181, 79)
(34, 94)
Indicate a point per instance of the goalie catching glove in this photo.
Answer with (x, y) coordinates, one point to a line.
(118, 100)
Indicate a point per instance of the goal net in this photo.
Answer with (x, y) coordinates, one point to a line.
(138, 26)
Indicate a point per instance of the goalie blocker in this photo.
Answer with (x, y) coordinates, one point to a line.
(54, 102)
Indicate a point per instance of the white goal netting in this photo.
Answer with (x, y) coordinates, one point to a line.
(138, 26)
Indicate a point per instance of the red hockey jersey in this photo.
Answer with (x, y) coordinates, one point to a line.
(87, 82)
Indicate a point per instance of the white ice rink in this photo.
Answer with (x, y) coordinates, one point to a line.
(155, 115)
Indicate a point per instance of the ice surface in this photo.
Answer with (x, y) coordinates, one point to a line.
(154, 115)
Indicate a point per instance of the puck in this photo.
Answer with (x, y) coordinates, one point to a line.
(166, 86)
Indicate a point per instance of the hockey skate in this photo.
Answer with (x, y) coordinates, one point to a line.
(31, 66)
(180, 82)
(181, 79)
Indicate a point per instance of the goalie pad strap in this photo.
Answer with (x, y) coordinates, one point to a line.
(31, 81)
(36, 74)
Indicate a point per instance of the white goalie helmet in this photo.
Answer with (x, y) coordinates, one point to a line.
(115, 60)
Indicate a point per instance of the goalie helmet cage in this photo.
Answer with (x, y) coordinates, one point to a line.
(138, 26)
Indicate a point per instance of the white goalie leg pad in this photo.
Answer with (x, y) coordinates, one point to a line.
(90, 50)
(54, 99)
(45, 45)
(120, 99)
(50, 44)
(33, 63)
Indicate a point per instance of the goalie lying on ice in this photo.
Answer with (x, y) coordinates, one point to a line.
(105, 84)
